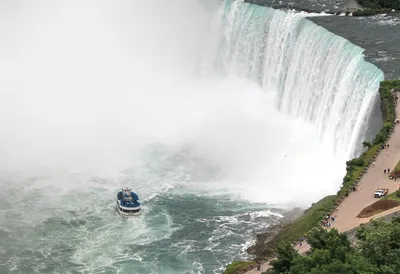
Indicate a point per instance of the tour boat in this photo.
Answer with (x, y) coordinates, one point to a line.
(128, 203)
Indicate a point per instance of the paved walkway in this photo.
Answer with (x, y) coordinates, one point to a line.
(346, 215)
(373, 179)
(351, 234)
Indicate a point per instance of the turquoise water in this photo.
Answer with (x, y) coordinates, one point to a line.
(80, 231)
(211, 158)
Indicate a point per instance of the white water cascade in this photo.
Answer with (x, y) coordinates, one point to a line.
(97, 95)
(318, 76)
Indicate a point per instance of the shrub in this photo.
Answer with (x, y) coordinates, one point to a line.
(313, 216)
(236, 266)
(377, 4)
(367, 144)
(355, 162)
(371, 11)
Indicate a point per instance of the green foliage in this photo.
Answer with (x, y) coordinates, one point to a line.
(393, 196)
(320, 262)
(285, 256)
(377, 251)
(367, 144)
(236, 266)
(354, 167)
(383, 135)
(395, 170)
(311, 217)
(387, 97)
(377, 4)
(369, 11)
(356, 162)
(380, 244)
(337, 244)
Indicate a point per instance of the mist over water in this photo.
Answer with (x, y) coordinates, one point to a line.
(156, 95)
(80, 80)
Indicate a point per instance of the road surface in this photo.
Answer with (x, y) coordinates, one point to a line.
(346, 214)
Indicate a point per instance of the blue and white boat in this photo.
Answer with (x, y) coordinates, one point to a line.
(128, 203)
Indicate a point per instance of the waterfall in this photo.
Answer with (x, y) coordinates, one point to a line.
(318, 76)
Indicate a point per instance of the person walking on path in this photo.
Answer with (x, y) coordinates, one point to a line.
(347, 211)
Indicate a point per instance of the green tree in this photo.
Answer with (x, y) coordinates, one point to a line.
(336, 243)
(377, 252)
(367, 144)
(331, 252)
(285, 255)
(320, 262)
(377, 4)
(380, 244)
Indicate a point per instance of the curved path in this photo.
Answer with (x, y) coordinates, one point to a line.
(373, 179)
(346, 214)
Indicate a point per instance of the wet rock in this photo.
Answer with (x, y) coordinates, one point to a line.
(252, 250)
(265, 240)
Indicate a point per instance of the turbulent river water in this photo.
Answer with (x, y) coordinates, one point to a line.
(217, 113)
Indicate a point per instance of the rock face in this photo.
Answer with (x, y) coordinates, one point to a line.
(252, 250)
(264, 240)
(316, 6)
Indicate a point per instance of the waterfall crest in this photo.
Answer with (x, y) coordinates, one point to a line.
(319, 77)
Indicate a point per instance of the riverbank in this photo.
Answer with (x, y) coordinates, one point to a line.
(351, 9)
(356, 168)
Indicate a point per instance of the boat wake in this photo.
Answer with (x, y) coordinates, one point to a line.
(212, 129)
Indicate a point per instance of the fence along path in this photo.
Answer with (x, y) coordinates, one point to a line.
(347, 208)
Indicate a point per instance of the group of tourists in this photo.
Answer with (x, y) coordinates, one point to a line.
(302, 239)
(326, 222)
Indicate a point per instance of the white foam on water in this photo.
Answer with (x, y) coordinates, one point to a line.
(267, 107)
(167, 97)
